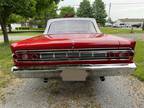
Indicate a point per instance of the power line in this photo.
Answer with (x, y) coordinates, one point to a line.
(136, 3)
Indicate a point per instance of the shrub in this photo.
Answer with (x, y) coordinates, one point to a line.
(22, 28)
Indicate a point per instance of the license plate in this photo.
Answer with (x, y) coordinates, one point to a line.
(73, 74)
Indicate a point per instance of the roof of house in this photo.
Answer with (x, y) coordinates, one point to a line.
(132, 20)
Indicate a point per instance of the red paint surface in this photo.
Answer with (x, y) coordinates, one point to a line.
(69, 41)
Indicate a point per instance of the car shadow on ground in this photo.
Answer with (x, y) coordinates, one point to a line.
(72, 93)
(34, 93)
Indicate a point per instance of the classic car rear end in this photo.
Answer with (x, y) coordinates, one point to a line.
(73, 49)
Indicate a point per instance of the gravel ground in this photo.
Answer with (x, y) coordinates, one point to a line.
(115, 92)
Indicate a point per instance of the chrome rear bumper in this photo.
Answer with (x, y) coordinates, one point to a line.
(91, 70)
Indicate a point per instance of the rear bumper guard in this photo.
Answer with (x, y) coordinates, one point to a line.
(92, 70)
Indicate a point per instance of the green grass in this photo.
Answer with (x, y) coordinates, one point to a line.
(5, 64)
(109, 30)
(22, 33)
(25, 34)
(0, 32)
(139, 59)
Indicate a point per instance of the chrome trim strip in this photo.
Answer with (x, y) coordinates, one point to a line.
(121, 48)
(80, 51)
(70, 60)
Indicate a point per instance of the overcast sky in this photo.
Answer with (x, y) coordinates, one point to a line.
(119, 9)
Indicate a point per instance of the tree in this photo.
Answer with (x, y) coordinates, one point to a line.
(99, 12)
(143, 26)
(46, 9)
(85, 9)
(24, 8)
(109, 20)
(67, 11)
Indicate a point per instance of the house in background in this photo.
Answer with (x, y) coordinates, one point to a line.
(128, 22)
(15, 25)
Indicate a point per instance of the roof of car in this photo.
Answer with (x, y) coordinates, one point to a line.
(59, 19)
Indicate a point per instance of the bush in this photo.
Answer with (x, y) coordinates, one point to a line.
(29, 28)
(22, 28)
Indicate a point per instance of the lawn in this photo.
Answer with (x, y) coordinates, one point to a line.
(5, 64)
(109, 30)
(139, 59)
(32, 33)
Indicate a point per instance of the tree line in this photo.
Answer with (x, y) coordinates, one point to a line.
(96, 10)
(39, 11)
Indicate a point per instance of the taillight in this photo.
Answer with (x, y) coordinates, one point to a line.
(26, 56)
(113, 54)
(120, 54)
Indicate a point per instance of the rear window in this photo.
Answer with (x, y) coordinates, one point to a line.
(71, 26)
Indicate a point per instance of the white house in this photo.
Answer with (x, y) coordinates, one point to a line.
(128, 22)
(15, 25)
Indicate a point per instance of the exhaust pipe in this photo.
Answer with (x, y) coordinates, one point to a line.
(102, 78)
(45, 80)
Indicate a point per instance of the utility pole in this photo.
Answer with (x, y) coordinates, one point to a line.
(109, 14)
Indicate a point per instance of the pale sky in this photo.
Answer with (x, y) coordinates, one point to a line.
(119, 9)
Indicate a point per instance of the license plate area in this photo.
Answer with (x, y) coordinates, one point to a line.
(73, 74)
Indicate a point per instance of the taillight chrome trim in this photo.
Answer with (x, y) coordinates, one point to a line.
(45, 50)
(95, 60)
(93, 55)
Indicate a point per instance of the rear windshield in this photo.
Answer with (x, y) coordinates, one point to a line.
(71, 26)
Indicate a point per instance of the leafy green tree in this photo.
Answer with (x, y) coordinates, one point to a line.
(45, 11)
(52, 11)
(99, 12)
(85, 9)
(143, 26)
(24, 8)
(67, 11)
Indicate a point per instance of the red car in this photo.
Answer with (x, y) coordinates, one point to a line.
(73, 49)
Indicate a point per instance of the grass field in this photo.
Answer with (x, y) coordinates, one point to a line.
(139, 59)
(109, 30)
(6, 62)
(23, 33)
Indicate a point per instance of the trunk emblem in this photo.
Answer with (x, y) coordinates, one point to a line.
(73, 43)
